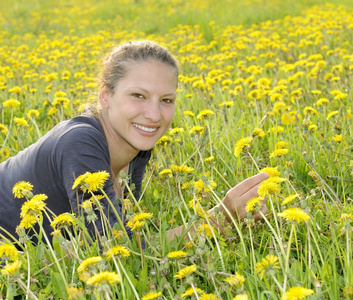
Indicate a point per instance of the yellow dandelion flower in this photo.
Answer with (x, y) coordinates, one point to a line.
(151, 296)
(166, 172)
(348, 292)
(331, 114)
(197, 129)
(15, 90)
(88, 263)
(20, 121)
(8, 251)
(33, 113)
(254, 204)
(34, 206)
(135, 225)
(227, 104)
(188, 113)
(103, 278)
(74, 293)
(176, 130)
(206, 229)
(337, 138)
(310, 110)
(297, 293)
(209, 159)
(142, 216)
(277, 129)
(208, 297)
(258, 132)
(205, 113)
(272, 172)
(240, 144)
(278, 152)
(340, 96)
(241, 297)
(118, 251)
(28, 221)
(294, 214)
(96, 181)
(80, 180)
(181, 169)
(186, 272)
(349, 113)
(63, 220)
(321, 101)
(289, 199)
(3, 128)
(346, 218)
(312, 127)
(11, 268)
(177, 254)
(281, 145)
(235, 281)
(201, 186)
(268, 264)
(268, 187)
(190, 291)
(22, 189)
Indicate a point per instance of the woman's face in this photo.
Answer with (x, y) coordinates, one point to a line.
(139, 111)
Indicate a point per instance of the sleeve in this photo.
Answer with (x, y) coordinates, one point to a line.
(79, 150)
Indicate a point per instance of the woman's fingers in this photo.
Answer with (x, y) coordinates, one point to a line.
(248, 184)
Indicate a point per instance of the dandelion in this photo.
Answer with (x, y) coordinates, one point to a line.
(294, 214)
(272, 172)
(197, 129)
(166, 172)
(240, 144)
(88, 263)
(186, 272)
(281, 145)
(15, 90)
(278, 152)
(96, 181)
(268, 187)
(201, 186)
(188, 113)
(177, 254)
(176, 130)
(241, 297)
(235, 281)
(103, 278)
(63, 220)
(20, 121)
(8, 251)
(33, 113)
(34, 206)
(11, 268)
(27, 221)
(289, 199)
(164, 140)
(22, 189)
(118, 251)
(312, 127)
(227, 104)
(297, 293)
(204, 114)
(254, 204)
(181, 169)
(321, 101)
(3, 128)
(258, 132)
(74, 293)
(190, 291)
(139, 220)
(208, 297)
(151, 296)
(331, 114)
(205, 228)
(269, 265)
(348, 292)
(209, 159)
(80, 179)
(337, 138)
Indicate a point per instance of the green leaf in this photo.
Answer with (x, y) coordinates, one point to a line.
(58, 285)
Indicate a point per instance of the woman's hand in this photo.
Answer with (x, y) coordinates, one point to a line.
(237, 197)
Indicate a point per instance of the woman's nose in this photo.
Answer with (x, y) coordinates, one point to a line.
(153, 111)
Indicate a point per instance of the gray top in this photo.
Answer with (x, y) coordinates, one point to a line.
(51, 165)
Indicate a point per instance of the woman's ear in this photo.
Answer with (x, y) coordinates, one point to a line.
(104, 96)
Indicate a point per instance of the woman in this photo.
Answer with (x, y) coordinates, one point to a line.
(137, 105)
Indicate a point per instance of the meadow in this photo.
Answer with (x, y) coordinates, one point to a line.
(264, 87)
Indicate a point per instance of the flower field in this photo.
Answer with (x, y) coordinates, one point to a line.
(267, 91)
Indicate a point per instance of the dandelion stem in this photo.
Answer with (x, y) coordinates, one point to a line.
(286, 270)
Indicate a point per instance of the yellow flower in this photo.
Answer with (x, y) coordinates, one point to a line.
(208, 297)
(209, 159)
(118, 251)
(241, 297)
(3, 128)
(294, 214)
(201, 186)
(268, 264)
(348, 292)
(278, 152)
(240, 144)
(197, 129)
(310, 110)
(11, 268)
(74, 293)
(22, 189)
(337, 138)
(188, 113)
(8, 251)
(227, 104)
(205, 228)
(258, 132)
(181, 169)
(151, 296)
(33, 113)
(331, 114)
(176, 130)
(235, 281)
(96, 181)
(205, 113)
(281, 145)
(321, 101)
(102, 278)
(34, 206)
(254, 204)
(312, 127)
(297, 293)
(15, 90)
(28, 221)
(185, 272)
(176, 254)
(267, 187)
(272, 172)
(61, 101)
(88, 263)
(289, 199)
(166, 172)
(190, 291)
(62, 220)
(20, 121)
(139, 220)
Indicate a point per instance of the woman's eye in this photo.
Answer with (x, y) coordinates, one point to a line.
(166, 100)
(137, 95)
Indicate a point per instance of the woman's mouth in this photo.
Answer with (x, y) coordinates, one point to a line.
(147, 129)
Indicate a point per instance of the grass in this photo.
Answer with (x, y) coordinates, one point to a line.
(283, 68)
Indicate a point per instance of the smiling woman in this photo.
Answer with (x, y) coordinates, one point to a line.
(136, 107)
